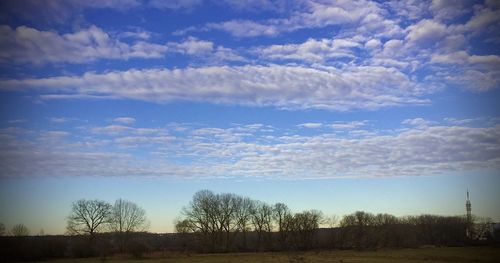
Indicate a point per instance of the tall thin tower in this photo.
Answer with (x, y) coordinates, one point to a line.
(468, 231)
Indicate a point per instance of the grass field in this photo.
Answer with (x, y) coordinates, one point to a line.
(467, 254)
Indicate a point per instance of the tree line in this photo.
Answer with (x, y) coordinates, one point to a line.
(222, 222)
(92, 216)
(94, 227)
(226, 222)
(17, 230)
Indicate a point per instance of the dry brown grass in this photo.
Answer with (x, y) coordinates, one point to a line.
(427, 255)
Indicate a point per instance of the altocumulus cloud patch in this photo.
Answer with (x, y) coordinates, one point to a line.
(251, 151)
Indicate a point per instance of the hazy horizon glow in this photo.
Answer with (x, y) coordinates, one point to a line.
(50, 199)
(333, 105)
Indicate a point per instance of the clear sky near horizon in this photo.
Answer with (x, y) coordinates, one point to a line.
(381, 106)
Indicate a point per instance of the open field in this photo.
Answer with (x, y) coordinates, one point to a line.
(465, 254)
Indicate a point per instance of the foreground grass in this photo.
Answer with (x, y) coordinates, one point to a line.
(460, 254)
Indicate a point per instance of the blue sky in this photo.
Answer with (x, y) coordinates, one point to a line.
(333, 105)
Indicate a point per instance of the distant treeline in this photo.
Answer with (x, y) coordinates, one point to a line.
(231, 223)
(222, 222)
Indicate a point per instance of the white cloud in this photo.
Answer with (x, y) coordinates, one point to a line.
(443, 9)
(245, 28)
(462, 57)
(393, 48)
(192, 46)
(203, 49)
(418, 122)
(462, 122)
(60, 119)
(226, 54)
(389, 62)
(341, 125)
(53, 134)
(142, 141)
(111, 129)
(373, 44)
(315, 14)
(125, 120)
(238, 152)
(312, 50)
(432, 44)
(425, 33)
(474, 72)
(29, 45)
(142, 49)
(366, 87)
(138, 33)
(473, 79)
(16, 121)
(376, 25)
(484, 19)
(409, 9)
(311, 125)
(117, 129)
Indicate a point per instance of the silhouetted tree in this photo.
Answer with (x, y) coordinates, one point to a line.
(303, 227)
(227, 206)
(242, 216)
(387, 232)
(2, 229)
(439, 230)
(262, 216)
(220, 222)
(19, 230)
(331, 221)
(183, 226)
(482, 226)
(356, 228)
(203, 218)
(127, 217)
(88, 217)
(217, 219)
(280, 213)
(183, 229)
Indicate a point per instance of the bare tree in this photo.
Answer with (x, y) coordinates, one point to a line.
(303, 227)
(214, 216)
(357, 226)
(183, 226)
(2, 229)
(262, 215)
(386, 230)
(331, 221)
(88, 217)
(127, 217)
(203, 218)
(481, 229)
(227, 205)
(19, 230)
(281, 212)
(243, 215)
(183, 229)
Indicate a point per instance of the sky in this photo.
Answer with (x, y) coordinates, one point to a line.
(381, 106)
